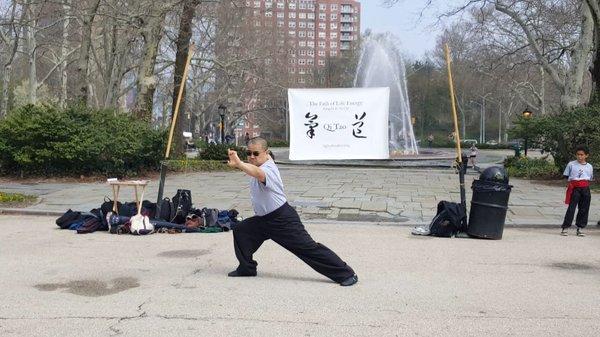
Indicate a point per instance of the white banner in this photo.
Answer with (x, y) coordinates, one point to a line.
(339, 123)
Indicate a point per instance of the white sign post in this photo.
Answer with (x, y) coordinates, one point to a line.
(339, 123)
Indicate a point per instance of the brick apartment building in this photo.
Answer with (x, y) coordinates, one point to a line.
(313, 31)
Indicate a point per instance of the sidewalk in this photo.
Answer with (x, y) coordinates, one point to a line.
(58, 283)
(382, 196)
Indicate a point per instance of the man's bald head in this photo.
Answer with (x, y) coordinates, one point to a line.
(259, 141)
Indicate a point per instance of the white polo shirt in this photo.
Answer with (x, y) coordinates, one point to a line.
(269, 196)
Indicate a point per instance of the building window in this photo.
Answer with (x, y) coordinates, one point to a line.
(292, 33)
(292, 15)
(322, 16)
(292, 24)
(333, 25)
(332, 35)
(310, 16)
(301, 15)
(321, 53)
(257, 4)
(321, 62)
(333, 16)
(257, 23)
(268, 4)
(322, 44)
(303, 52)
(302, 43)
(302, 24)
(310, 34)
(333, 44)
(310, 62)
(310, 44)
(301, 33)
(280, 15)
(322, 7)
(301, 62)
(321, 35)
(311, 25)
(280, 5)
(268, 14)
(279, 23)
(334, 7)
(322, 25)
(333, 53)
(292, 6)
(302, 5)
(310, 52)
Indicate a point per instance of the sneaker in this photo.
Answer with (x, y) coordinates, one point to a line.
(235, 273)
(564, 232)
(579, 232)
(349, 281)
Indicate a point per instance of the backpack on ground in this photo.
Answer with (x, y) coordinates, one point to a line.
(449, 220)
(182, 203)
(68, 218)
(166, 210)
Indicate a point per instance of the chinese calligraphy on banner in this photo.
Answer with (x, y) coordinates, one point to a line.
(339, 123)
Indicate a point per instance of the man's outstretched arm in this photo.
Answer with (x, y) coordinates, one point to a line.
(251, 170)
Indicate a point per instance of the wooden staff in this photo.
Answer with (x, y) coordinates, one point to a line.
(163, 169)
(460, 164)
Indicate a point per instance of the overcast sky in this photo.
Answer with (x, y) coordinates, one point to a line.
(417, 33)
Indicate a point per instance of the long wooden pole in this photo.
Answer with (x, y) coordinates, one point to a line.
(163, 169)
(454, 115)
(461, 165)
(179, 95)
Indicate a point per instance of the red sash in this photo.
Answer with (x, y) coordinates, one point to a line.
(573, 184)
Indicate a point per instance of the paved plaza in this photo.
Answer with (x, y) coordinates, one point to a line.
(533, 282)
(322, 194)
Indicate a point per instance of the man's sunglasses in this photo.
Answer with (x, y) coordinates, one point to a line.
(252, 153)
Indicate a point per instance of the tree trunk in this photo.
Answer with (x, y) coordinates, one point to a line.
(8, 64)
(182, 43)
(146, 79)
(594, 6)
(84, 52)
(63, 52)
(31, 58)
(572, 95)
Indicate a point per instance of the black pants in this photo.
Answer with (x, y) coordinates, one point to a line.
(284, 227)
(580, 199)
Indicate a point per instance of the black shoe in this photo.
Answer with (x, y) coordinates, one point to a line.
(349, 281)
(235, 273)
(579, 232)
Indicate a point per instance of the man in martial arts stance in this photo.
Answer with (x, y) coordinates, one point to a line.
(275, 219)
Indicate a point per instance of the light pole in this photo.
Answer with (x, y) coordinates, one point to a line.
(222, 112)
(527, 115)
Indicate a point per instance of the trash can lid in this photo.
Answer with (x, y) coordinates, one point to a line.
(494, 173)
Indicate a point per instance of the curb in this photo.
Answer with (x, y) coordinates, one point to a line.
(525, 224)
(513, 224)
(24, 211)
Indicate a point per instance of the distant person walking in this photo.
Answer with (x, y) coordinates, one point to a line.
(430, 139)
(473, 151)
(579, 173)
(246, 138)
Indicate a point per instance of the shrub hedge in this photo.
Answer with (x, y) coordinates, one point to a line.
(46, 140)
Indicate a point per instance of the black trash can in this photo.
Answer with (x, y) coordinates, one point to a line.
(488, 209)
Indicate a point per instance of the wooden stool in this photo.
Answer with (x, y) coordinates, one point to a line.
(116, 186)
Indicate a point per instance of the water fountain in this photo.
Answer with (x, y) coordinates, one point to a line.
(381, 65)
